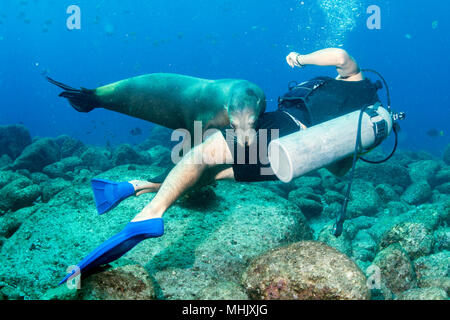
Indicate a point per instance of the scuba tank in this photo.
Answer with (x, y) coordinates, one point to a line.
(318, 146)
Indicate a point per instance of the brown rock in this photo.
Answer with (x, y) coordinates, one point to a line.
(423, 294)
(129, 282)
(397, 272)
(305, 270)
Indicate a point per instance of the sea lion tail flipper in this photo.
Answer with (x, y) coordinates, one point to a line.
(82, 100)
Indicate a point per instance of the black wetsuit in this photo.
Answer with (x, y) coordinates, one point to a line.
(312, 102)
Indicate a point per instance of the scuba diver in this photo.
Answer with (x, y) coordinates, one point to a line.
(305, 105)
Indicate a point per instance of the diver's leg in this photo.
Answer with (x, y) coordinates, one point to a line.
(200, 165)
(143, 187)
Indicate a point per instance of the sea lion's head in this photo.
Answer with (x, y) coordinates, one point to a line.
(246, 104)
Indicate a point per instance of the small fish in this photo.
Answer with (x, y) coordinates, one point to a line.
(433, 133)
(136, 131)
(435, 24)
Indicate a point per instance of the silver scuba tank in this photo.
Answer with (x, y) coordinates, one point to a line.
(319, 146)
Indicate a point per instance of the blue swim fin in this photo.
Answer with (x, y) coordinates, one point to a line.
(121, 243)
(108, 194)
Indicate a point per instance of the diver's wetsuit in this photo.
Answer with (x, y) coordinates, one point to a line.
(313, 102)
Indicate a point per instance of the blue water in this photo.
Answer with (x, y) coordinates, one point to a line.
(215, 39)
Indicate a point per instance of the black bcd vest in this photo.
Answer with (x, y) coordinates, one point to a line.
(324, 98)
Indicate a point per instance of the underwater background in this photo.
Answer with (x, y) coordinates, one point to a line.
(218, 239)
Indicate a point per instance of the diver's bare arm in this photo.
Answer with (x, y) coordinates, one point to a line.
(197, 166)
(339, 58)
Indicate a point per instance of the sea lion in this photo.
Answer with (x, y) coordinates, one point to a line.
(176, 101)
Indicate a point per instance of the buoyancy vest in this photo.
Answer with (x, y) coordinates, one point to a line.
(323, 98)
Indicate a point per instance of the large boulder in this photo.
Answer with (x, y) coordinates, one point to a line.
(70, 147)
(364, 247)
(52, 187)
(365, 200)
(342, 244)
(130, 282)
(389, 173)
(18, 194)
(435, 266)
(305, 270)
(386, 193)
(13, 139)
(432, 293)
(63, 168)
(309, 203)
(417, 193)
(415, 238)
(442, 239)
(397, 272)
(5, 161)
(96, 158)
(37, 155)
(210, 236)
(424, 170)
(125, 154)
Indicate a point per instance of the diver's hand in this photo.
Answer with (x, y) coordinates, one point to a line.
(293, 60)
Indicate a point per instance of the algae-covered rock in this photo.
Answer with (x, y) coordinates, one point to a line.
(305, 270)
(11, 222)
(438, 282)
(37, 155)
(208, 239)
(331, 196)
(13, 140)
(389, 173)
(39, 177)
(223, 291)
(342, 244)
(70, 147)
(363, 246)
(441, 177)
(5, 161)
(444, 188)
(433, 266)
(417, 193)
(414, 238)
(446, 155)
(364, 199)
(329, 181)
(314, 183)
(424, 170)
(61, 168)
(9, 176)
(442, 239)
(18, 194)
(129, 282)
(160, 155)
(308, 202)
(97, 159)
(397, 272)
(52, 187)
(125, 154)
(423, 294)
(386, 193)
